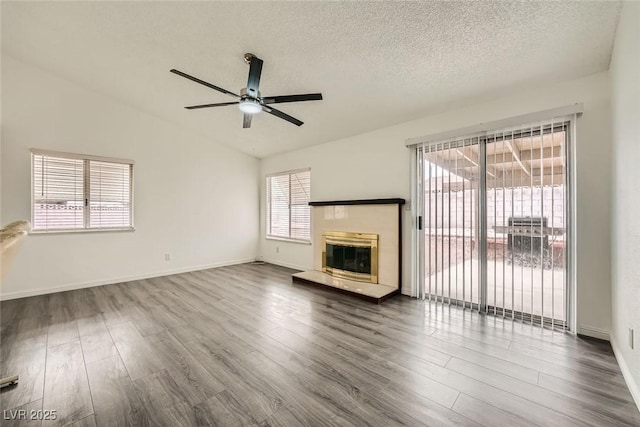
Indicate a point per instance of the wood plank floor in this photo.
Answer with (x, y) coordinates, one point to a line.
(241, 345)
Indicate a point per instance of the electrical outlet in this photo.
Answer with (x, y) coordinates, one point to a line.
(631, 338)
(167, 257)
(277, 249)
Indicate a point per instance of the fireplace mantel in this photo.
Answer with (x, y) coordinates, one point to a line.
(359, 202)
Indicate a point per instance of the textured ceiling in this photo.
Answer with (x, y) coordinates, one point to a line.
(377, 63)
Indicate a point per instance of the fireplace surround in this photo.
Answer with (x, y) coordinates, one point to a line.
(357, 247)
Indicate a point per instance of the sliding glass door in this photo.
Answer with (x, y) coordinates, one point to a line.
(494, 222)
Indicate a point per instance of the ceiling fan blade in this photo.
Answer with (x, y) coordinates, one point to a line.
(283, 116)
(292, 98)
(202, 82)
(246, 121)
(220, 104)
(255, 70)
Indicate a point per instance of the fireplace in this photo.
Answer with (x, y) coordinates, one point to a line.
(368, 264)
(351, 256)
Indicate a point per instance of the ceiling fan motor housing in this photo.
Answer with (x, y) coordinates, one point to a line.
(244, 94)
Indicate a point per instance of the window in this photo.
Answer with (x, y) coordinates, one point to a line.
(74, 192)
(288, 211)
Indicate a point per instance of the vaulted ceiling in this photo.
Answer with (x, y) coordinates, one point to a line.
(376, 63)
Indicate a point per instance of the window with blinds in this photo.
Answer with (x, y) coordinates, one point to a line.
(288, 211)
(73, 192)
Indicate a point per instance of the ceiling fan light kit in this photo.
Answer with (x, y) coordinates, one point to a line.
(250, 106)
(249, 101)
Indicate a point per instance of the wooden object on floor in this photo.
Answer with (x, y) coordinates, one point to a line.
(11, 237)
(11, 380)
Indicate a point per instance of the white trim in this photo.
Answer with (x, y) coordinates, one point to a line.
(93, 283)
(594, 332)
(634, 387)
(538, 116)
(43, 231)
(287, 239)
(286, 264)
(571, 286)
(407, 293)
(80, 156)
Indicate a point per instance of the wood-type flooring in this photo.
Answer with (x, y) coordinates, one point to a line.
(242, 345)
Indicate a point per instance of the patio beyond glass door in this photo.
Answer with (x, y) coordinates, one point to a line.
(495, 223)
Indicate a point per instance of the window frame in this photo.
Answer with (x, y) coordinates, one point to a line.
(86, 158)
(288, 238)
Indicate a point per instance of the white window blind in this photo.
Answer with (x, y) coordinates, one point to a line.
(58, 193)
(72, 192)
(109, 195)
(288, 211)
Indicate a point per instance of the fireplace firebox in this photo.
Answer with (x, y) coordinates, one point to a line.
(351, 256)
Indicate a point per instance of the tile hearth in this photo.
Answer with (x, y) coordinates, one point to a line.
(369, 291)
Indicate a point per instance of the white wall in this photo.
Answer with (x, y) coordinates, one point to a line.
(376, 165)
(625, 109)
(194, 199)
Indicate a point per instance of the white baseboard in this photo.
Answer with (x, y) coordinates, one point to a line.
(594, 332)
(634, 387)
(286, 264)
(92, 283)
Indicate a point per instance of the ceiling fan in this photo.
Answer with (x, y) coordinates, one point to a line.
(249, 101)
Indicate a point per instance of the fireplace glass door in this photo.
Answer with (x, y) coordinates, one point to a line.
(351, 256)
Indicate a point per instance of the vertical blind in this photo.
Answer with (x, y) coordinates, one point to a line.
(496, 233)
(75, 192)
(451, 223)
(288, 211)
